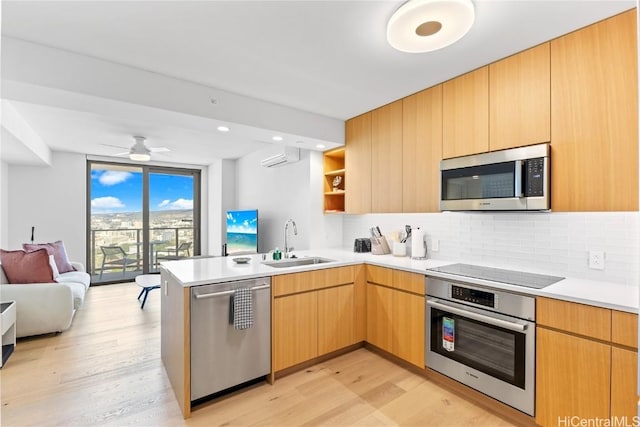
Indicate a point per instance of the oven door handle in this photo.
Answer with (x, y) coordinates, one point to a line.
(475, 316)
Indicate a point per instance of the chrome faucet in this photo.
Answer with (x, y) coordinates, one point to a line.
(287, 249)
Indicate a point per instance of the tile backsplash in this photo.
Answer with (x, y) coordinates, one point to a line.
(554, 243)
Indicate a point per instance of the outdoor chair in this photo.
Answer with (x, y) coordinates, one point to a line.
(115, 257)
(184, 250)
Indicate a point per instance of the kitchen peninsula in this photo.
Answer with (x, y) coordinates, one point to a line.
(321, 310)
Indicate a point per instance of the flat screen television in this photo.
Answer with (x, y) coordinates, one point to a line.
(242, 232)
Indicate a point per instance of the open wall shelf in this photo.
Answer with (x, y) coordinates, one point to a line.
(333, 167)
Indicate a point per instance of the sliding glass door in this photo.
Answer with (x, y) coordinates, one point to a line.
(139, 216)
(172, 218)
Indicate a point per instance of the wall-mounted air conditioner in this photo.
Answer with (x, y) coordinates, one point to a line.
(284, 156)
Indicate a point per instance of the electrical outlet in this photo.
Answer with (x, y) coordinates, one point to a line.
(596, 260)
(435, 245)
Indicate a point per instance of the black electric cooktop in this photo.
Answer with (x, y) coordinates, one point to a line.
(518, 278)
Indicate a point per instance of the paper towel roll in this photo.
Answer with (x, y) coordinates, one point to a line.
(418, 244)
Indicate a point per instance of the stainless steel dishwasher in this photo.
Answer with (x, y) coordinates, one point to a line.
(221, 356)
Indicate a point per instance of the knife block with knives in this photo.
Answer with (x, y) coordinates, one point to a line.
(379, 245)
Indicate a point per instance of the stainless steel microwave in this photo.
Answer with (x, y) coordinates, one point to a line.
(516, 179)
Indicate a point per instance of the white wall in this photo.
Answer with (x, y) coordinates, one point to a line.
(291, 191)
(222, 197)
(53, 199)
(326, 230)
(4, 205)
(556, 243)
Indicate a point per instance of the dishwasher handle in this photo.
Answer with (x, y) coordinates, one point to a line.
(476, 316)
(229, 292)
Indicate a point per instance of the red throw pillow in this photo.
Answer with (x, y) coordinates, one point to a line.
(26, 267)
(57, 250)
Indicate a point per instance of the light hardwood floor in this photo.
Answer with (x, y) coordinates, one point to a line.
(106, 370)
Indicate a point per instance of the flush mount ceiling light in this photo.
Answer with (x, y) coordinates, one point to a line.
(223, 128)
(277, 138)
(139, 152)
(140, 157)
(428, 25)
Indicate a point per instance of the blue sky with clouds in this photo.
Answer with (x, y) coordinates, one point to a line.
(120, 191)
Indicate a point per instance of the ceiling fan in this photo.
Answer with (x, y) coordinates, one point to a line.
(139, 151)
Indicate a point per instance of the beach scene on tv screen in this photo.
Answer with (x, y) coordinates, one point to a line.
(242, 232)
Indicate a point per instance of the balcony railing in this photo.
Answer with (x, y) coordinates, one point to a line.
(164, 243)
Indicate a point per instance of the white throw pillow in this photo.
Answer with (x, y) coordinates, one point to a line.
(54, 267)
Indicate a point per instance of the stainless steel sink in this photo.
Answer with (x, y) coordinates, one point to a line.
(296, 262)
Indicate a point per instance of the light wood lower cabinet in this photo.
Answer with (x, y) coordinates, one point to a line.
(624, 383)
(379, 316)
(314, 313)
(573, 378)
(336, 319)
(586, 363)
(295, 327)
(395, 318)
(408, 327)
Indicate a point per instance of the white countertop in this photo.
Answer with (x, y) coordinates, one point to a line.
(201, 271)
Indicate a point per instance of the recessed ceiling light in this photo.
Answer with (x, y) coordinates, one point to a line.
(428, 25)
(223, 129)
(320, 146)
(277, 138)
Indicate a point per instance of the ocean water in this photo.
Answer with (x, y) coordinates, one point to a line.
(242, 243)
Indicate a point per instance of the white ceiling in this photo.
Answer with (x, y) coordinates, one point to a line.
(329, 58)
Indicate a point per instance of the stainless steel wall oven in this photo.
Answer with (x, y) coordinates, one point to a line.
(484, 338)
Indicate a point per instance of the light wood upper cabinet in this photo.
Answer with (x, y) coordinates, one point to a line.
(520, 99)
(421, 150)
(295, 329)
(465, 114)
(573, 377)
(386, 158)
(357, 161)
(594, 125)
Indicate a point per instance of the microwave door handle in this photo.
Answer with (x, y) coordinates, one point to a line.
(479, 317)
(517, 184)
